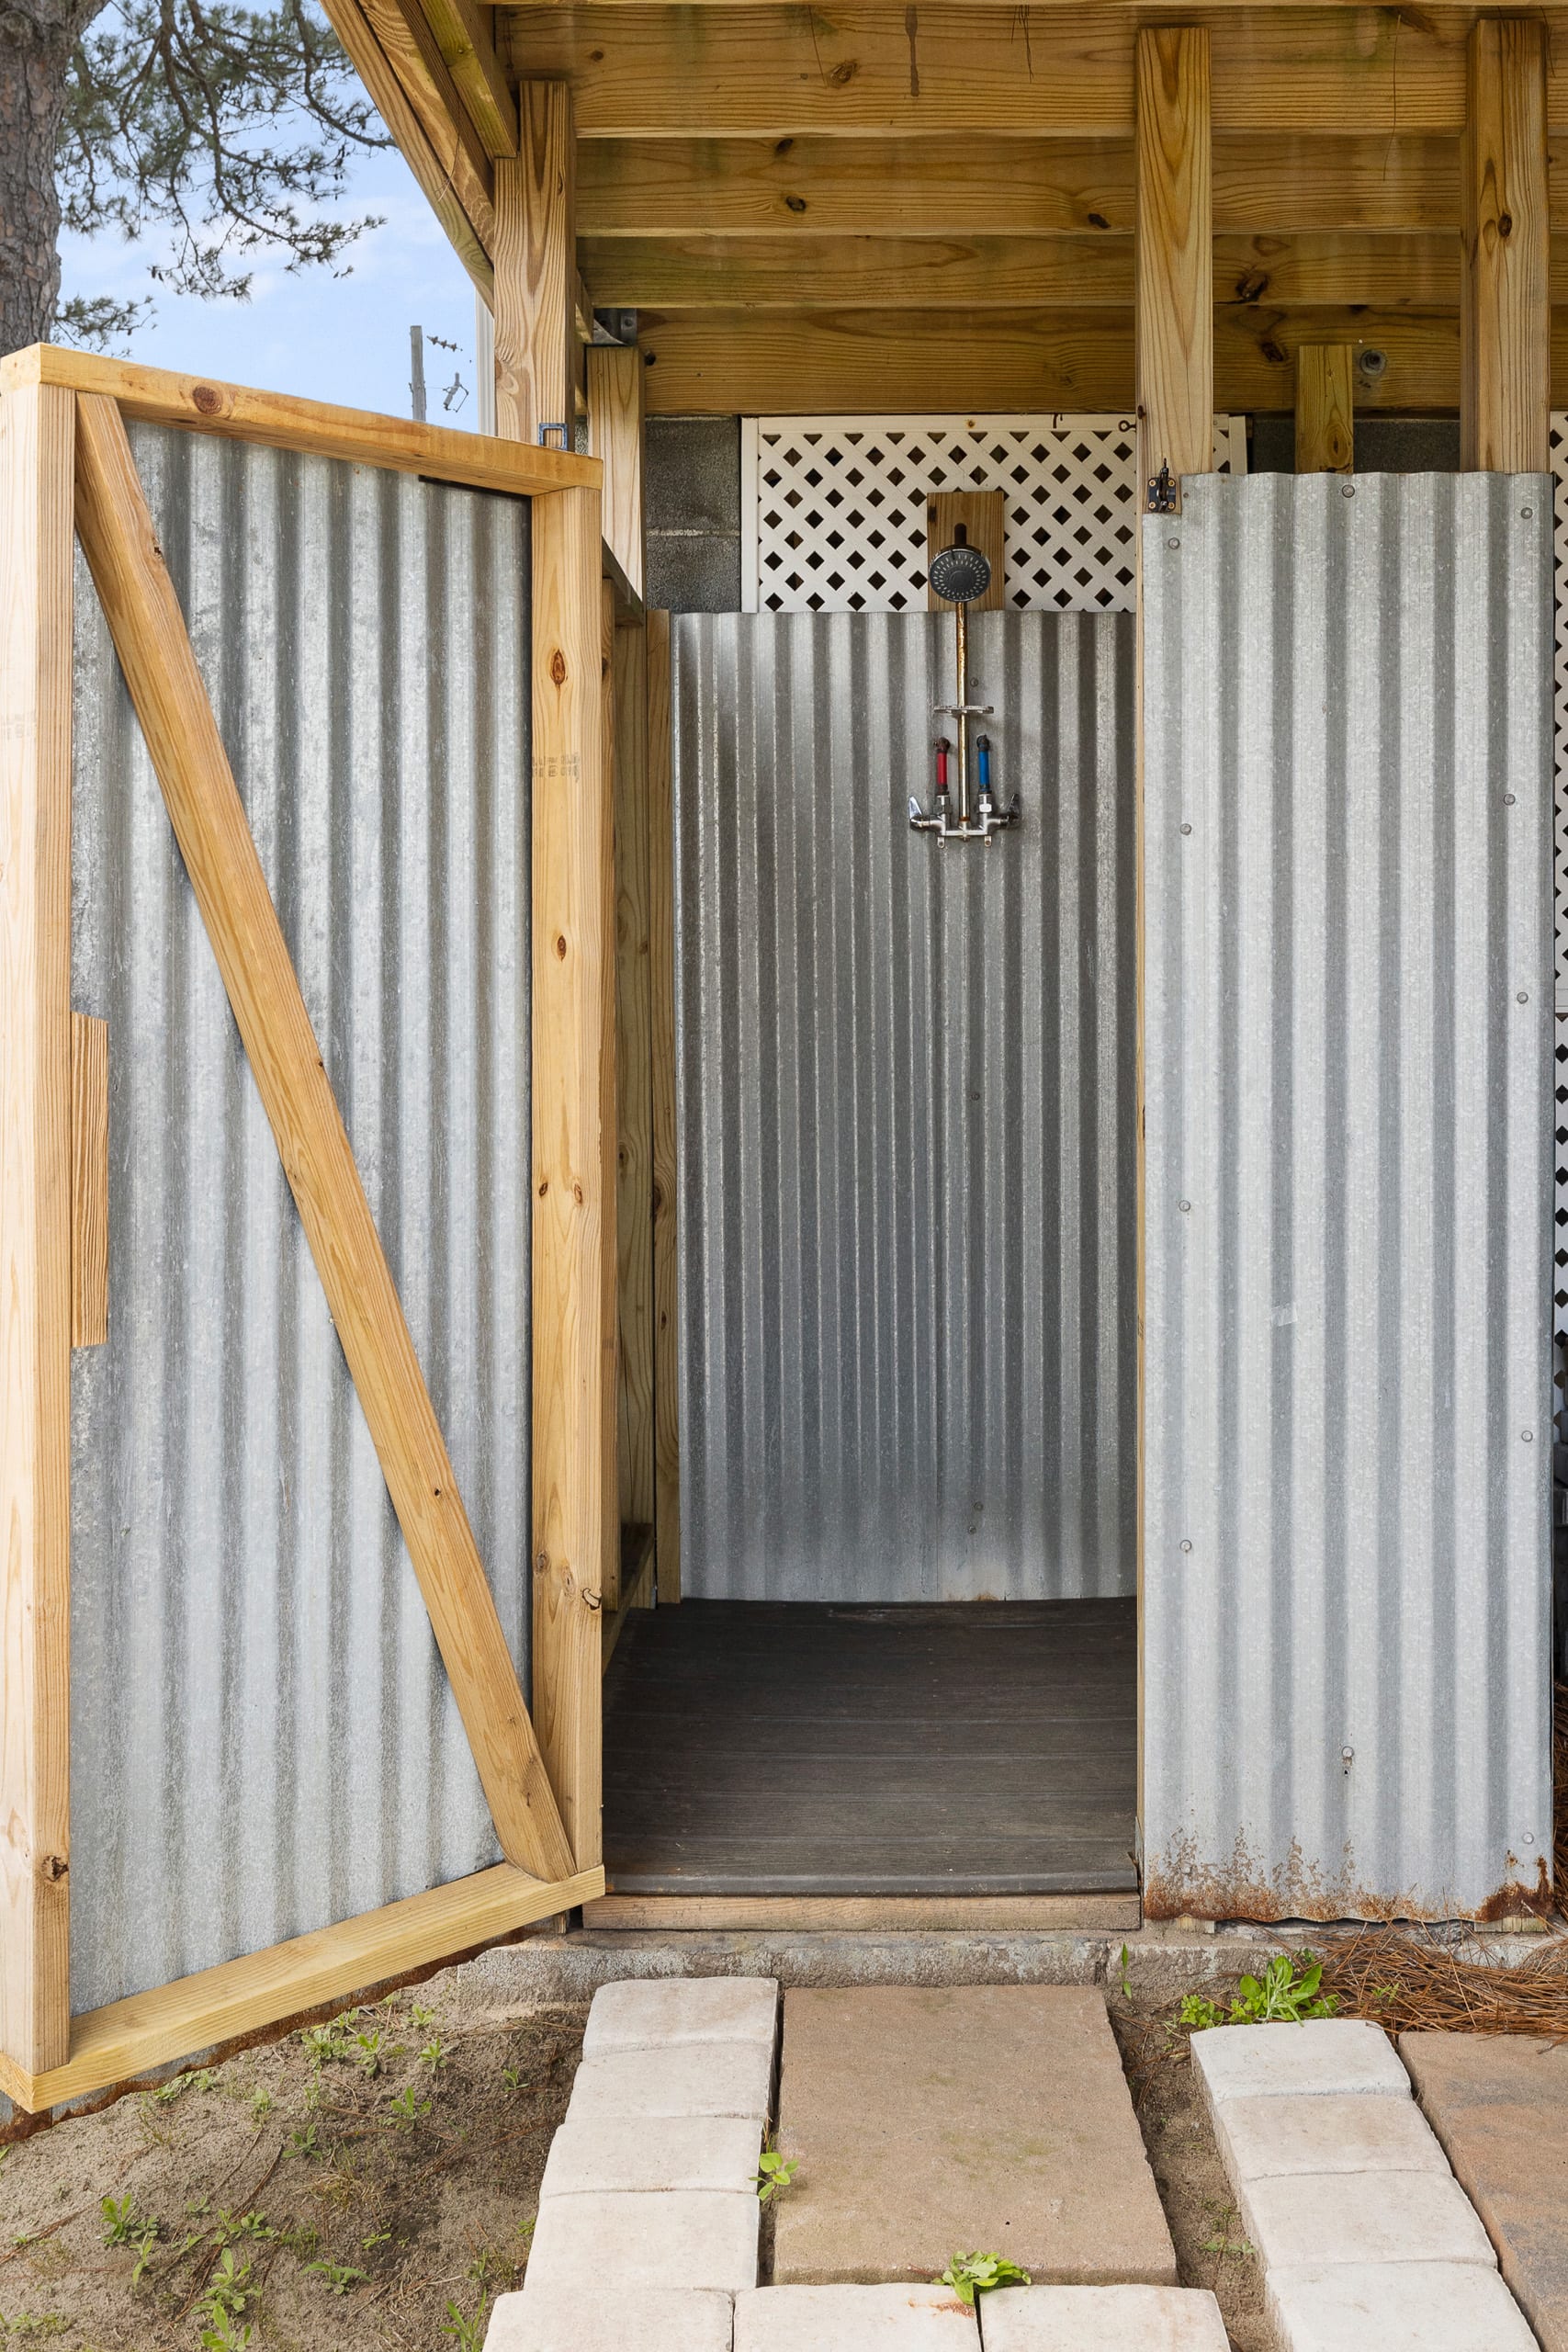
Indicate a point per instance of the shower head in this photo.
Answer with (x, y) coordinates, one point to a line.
(959, 575)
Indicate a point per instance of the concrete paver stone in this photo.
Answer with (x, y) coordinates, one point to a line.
(652, 2013)
(1395, 2217)
(901, 2318)
(1262, 2138)
(1499, 2103)
(636, 2152)
(687, 2078)
(1395, 2307)
(1101, 2319)
(1328, 2055)
(934, 2121)
(689, 2237)
(591, 2318)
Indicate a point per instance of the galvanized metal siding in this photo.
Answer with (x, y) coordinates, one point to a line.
(906, 1072)
(1348, 1122)
(263, 1739)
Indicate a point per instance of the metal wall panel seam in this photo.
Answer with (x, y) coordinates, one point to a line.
(263, 1740)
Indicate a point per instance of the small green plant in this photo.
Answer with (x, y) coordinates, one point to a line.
(773, 2172)
(420, 2018)
(969, 2275)
(513, 2077)
(366, 2051)
(261, 2103)
(339, 2277)
(177, 2086)
(408, 2106)
(468, 2334)
(1286, 1993)
(1124, 1961)
(302, 2142)
(123, 2225)
(433, 2054)
(32, 2324)
(1220, 2241)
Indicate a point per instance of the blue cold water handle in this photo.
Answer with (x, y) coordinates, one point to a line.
(983, 751)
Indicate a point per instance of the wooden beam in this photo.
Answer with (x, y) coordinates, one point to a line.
(199, 2015)
(407, 123)
(466, 44)
(852, 1914)
(614, 437)
(634, 1082)
(1174, 311)
(938, 185)
(982, 516)
(576, 1518)
(235, 411)
(1415, 271)
(666, 1188)
(89, 1181)
(225, 874)
(36, 564)
(536, 270)
(736, 72)
(1325, 408)
(1506, 332)
(783, 363)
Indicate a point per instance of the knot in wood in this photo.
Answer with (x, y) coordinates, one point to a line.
(206, 399)
(55, 1867)
(795, 203)
(594, 1599)
(557, 667)
(844, 72)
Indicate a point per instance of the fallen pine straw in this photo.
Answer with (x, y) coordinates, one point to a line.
(1404, 1979)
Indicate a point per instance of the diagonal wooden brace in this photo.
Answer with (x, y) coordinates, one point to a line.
(210, 826)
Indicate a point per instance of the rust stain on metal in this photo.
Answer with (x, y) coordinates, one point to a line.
(1184, 1885)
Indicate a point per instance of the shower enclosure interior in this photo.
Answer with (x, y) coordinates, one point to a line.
(904, 1660)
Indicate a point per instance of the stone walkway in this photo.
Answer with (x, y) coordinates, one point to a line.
(926, 2122)
(1367, 2242)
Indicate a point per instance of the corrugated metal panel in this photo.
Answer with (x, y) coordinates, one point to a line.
(908, 1238)
(263, 1739)
(1348, 1122)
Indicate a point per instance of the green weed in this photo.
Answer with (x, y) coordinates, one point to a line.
(969, 2275)
(1286, 1993)
(339, 2277)
(408, 2106)
(468, 2334)
(773, 2172)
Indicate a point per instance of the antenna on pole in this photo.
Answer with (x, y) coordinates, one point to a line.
(416, 376)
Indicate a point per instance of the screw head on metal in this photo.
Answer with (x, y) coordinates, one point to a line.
(1184, 1206)
(1187, 829)
(1526, 513)
(1508, 799)
(1348, 490)
(1529, 1838)
(1185, 1545)
(1527, 1436)
(1173, 543)
(1346, 1756)
(1524, 996)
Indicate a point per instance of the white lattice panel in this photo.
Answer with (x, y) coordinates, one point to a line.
(833, 507)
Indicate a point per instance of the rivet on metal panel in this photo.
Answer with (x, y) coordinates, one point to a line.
(1524, 996)
(1187, 829)
(1528, 1436)
(1529, 1838)
(1185, 1545)
(1184, 1206)
(1173, 543)
(1346, 1758)
(1526, 513)
(1507, 800)
(1348, 490)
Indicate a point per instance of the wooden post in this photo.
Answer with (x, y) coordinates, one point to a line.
(1174, 317)
(983, 515)
(36, 434)
(662, 991)
(1505, 297)
(535, 271)
(616, 374)
(1325, 429)
(576, 1518)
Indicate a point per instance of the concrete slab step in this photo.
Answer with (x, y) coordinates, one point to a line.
(1383, 2217)
(1499, 2103)
(662, 2014)
(591, 2318)
(1395, 2307)
(1101, 2319)
(1260, 2139)
(624, 2154)
(929, 2121)
(733, 2078)
(855, 2319)
(1343, 2057)
(686, 2238)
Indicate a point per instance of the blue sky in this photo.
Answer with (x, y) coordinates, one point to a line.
(342, 339)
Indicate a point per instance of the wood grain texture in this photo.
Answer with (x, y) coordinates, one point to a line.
(465, 38)
(982, 516)
(1506, 329)
(469, 240)
(406, 39)
(89, 1181)
(634, 1084)
(859, 1914)
(1325, 408)
(943, 185)
(636, 1587)
(575, 1514)
(37, 428)
(535, 269)
(666, 1186)
(671, 71)
(238, 412)
(1174, 309)
(614, 437)
(225, 874)
(201, 2014)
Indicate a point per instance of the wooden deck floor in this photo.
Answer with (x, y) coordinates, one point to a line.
(753, 1747)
